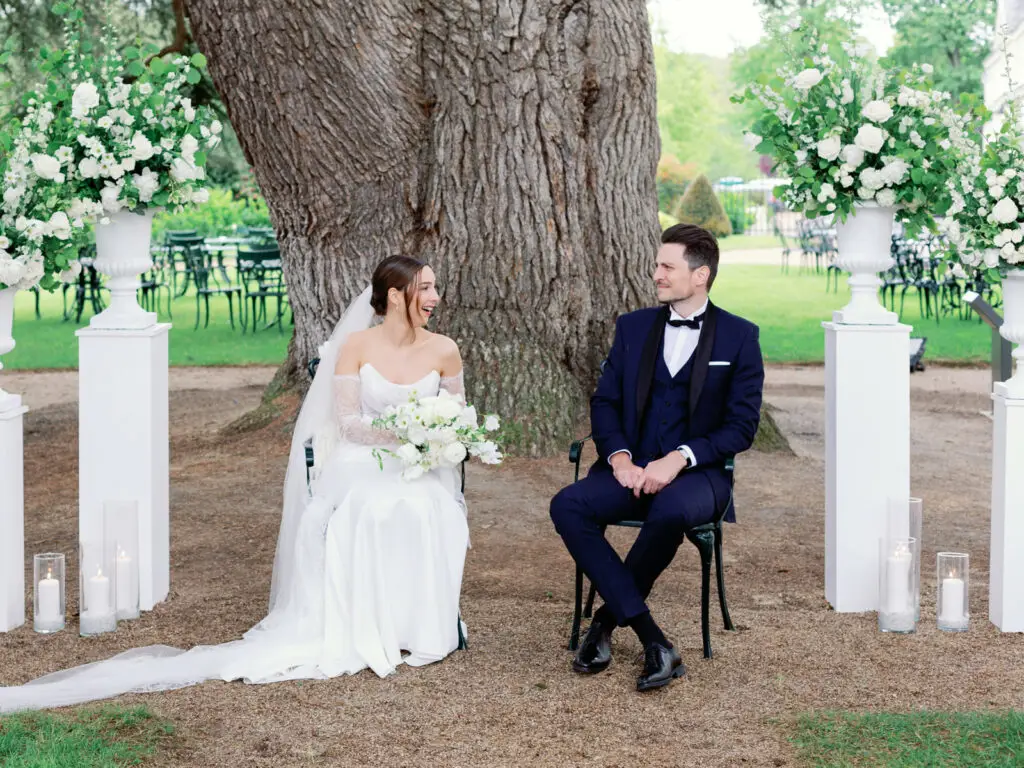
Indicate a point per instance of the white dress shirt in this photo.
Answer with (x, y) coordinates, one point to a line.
(679, 345)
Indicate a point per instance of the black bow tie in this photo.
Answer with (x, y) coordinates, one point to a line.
(694, 323)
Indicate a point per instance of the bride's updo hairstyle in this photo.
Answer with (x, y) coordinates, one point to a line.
(398, 272)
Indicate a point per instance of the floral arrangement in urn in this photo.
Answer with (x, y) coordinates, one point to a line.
(111, 131)
(852, 133)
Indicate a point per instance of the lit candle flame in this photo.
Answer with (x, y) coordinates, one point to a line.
(49, 573)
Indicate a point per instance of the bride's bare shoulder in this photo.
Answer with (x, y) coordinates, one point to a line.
(351, 355)
(447, 352)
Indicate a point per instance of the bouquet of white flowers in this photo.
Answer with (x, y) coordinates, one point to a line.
(853, 133)
(986, 220)
(437, 431)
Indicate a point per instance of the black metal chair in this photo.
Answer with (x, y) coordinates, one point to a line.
(310, 455)
(708, 540)
(261, 276)
(207, 285)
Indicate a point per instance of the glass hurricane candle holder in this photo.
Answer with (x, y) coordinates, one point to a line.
(896, 584)
(96, 601)
(48, 605)
(904, 521)
(951, 605)
(121, 533)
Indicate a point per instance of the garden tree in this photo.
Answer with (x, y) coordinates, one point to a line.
(673, 176)
(954, 36)
(701, 206)
(511, 144)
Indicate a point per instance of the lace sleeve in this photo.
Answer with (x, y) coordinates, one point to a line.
(455, 385)
(353, 427)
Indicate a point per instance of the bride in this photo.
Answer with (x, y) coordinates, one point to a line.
(368, 567)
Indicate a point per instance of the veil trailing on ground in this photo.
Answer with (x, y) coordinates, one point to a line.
(282, 645)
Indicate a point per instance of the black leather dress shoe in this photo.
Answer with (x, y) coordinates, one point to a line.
(661, 666)
(595, 653)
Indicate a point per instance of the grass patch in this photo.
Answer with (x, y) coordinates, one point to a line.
(94, 738)
(932, 739)
(50, 341)
(748, 242)
(789, 308)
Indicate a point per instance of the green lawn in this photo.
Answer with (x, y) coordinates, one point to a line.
(920, 739)
(110, 736)
(789, 308)
(50, 342)
(748, 242)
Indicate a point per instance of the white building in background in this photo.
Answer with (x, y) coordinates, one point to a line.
(1010, 14)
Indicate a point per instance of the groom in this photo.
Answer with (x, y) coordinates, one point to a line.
(680, 394)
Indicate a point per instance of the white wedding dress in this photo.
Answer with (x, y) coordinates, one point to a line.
(368, 569)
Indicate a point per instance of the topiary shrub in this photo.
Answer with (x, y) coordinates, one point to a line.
(702, 207)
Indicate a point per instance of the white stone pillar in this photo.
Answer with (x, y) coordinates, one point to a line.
(867, 453)
(1006, 550)
(124, 441)
(12, 512)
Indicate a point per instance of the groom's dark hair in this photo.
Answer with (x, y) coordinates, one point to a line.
(700, 248)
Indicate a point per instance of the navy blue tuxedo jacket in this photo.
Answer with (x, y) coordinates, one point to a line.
(725, 389)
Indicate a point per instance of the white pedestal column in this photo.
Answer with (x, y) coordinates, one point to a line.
(12, 513)
(1006, 567)
(867, 453)
(123, 441)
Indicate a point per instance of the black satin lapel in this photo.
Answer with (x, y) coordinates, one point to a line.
(702, 355)
(648, 359)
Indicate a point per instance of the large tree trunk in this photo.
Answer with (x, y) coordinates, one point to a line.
(512, 144)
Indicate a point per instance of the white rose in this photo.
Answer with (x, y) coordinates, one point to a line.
(417, 434)
(877, 111)
(189, 147)
(448, 408)
(415, 472)
(190, 113)
(871, 179)
(142, 148)
(182, 171)
(85, 97)
(468, 417)
(453, 454)
(201, 196)
(996, 192)
(89, 168)
(830, 148)
(13, 194)
(216, 127)
(991, 258)
(491, 423)
(885, 198)
(59, 226)
(751, 140)
(408, 453)
(11, 272)
(147, 183)
(870, 138)
(1005, 211)
(110, 197)
(807, 79)
(4, 243)
(853, 156)
(71, 274)
(46, 167)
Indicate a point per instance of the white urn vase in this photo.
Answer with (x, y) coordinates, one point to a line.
(7, 401)
(1012, 328)
(122, 254)
(864, 242)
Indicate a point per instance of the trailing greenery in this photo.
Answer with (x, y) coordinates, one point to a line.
(702, 207)
(111, 736)
(916, 739)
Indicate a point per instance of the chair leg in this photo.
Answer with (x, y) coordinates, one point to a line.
(207, 323)
(589, 610)
(231, 310)
(705, 543)
(720, 576)
(574, 636)
(198, 300)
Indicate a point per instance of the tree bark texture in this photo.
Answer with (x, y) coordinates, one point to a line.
(511, 144)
